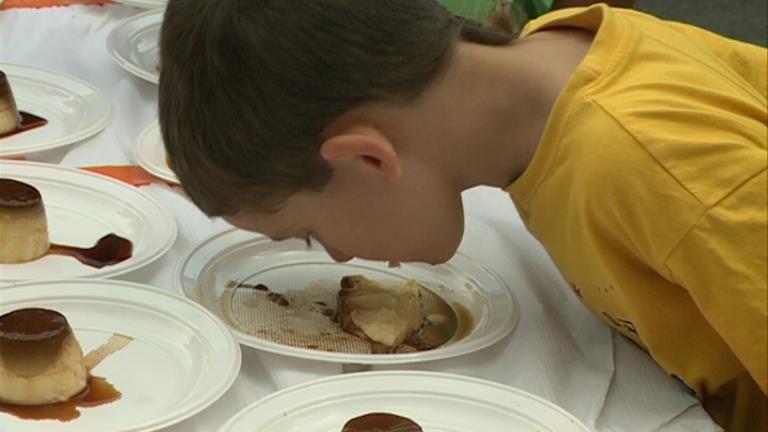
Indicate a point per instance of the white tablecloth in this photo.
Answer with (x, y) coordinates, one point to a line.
(559, 350)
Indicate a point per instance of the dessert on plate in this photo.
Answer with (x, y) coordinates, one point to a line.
(41, 362)
(12, 120)
(9, 114)
(386, 315)
(23, 224)
(381, 422)
(24, 231)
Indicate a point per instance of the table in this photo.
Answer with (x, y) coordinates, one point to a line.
(559, 351)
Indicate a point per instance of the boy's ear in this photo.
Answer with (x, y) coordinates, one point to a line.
(365, 144)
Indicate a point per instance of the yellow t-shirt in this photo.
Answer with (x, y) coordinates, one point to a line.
(648, 189)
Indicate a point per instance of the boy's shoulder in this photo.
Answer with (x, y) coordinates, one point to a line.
(710, 141)
(680, 102)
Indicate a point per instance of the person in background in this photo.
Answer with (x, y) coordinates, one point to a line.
(510, 16)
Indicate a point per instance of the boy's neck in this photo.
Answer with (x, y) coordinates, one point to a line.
(482, 121)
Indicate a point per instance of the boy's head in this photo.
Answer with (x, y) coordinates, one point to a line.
(263, 110)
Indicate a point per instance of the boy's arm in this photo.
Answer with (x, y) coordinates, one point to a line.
(722, 263)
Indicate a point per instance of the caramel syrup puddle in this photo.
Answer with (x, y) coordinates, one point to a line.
(98, 391)
(110, 249)
(27, 122)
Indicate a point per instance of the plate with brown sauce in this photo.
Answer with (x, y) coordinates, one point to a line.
(102, 355)
(402, 401)
(58, 222)
(291, 298)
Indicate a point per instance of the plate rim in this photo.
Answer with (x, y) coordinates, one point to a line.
(110, 272)
(233, 345)
(395, 375)
(511, 323)
(78, 135)
(115, 54)
(146, 4)
(139, 144)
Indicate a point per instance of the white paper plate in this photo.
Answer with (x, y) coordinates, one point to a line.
(437, 402)
(81, 208)
(237, 255)
(180, 361)
(75, 110)
(149, 152)
(144, 4)
(135, 44)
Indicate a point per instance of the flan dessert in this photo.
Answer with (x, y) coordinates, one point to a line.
(41, 362)
(23, 224)
(386, 315)
(381, 422)
(9, 114)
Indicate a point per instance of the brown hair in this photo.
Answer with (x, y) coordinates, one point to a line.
(248, 86)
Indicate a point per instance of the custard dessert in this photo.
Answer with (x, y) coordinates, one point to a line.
(23, 225)
(381, 422)
(386, 315)
(9, 114)
(41, 362)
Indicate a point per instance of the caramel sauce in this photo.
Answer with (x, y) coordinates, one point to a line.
(274, 297)
(27, 121)
(33, 324)
(14, 193)
(279, 299)
(381, 422)
(98, 391)
(110, 249)
(434, 335)
(31, 336)
(466, 321)
(257, 287)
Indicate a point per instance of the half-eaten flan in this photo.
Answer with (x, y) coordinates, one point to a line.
(385, 314)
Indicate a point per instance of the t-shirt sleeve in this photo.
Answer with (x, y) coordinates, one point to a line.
(747, 60)
(722, 263)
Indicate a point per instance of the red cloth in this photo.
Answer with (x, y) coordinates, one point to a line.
(131, 174)
(8, 4)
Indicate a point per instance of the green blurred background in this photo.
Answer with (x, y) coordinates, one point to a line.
(746, 20)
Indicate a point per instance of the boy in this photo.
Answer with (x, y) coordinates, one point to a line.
(634, 149)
